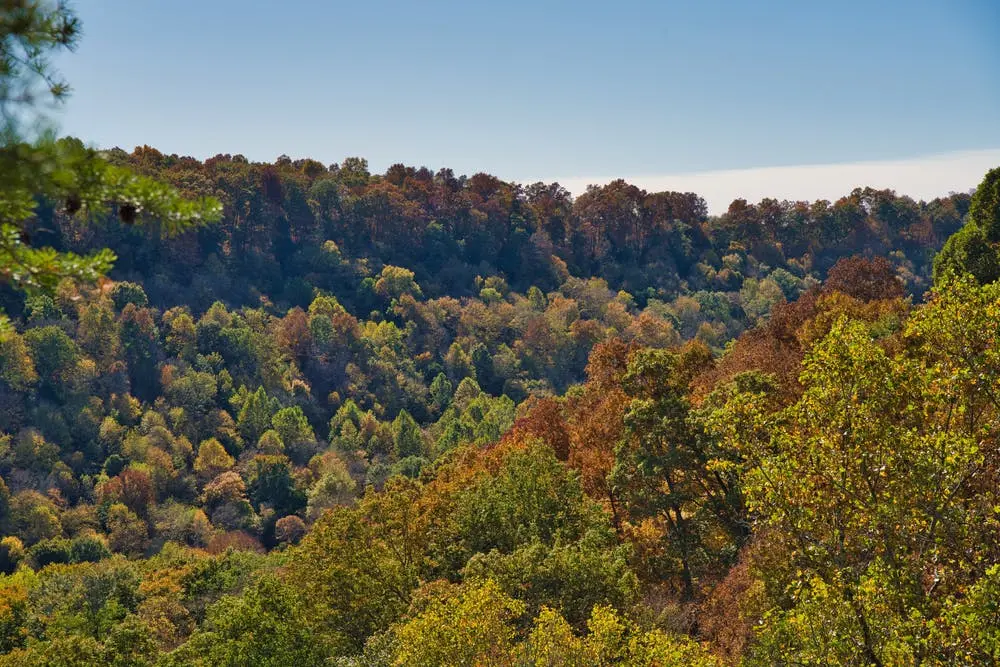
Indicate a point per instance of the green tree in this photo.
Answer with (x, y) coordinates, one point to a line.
(55, 356)
(17, 370)
(124, 293)
(295, 432)
(872, 495)
(666, 469)
(395, 281)
(65, 651)
(42, 307)
(264, 626)
(441, 389)
(141, 346)
(974, 249)
(271, 483)
(127, 533)
(11, 554)
(970, 628)
(255, 414)
(88, 548)
(212, 459)
(75, 178)
(407, 438)
(32, 517)
(98, 334)
(472, 625)
(89, 597)
(194, 391)
(570, 578)
(530, 497)
(131, 643)
(358, 566)
(611, 640)
(334, 487)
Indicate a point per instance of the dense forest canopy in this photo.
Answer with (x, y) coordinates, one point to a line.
(315, 415)
(451, 229)
(336, 444)
(523, 280)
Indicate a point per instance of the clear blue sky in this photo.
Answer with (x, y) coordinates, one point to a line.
(529, 90)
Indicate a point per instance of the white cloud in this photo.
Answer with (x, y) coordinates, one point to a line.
(921, 178)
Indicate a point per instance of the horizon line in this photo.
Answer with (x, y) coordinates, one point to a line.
(924, 177)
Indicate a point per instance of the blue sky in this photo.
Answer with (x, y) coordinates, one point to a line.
(541, 90)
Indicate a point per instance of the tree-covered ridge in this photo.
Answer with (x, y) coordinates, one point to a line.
(516, 283)
(565, 474)
(672, 509)
(279, 220)
(568, 474)
(97, 384)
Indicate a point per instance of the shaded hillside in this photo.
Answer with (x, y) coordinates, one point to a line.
(449, 230)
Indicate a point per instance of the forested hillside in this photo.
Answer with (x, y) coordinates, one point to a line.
(514, 282)
(274, 240)
(290, 414)
(414, 419)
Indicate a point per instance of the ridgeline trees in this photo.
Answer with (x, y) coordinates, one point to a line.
(823, 491)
